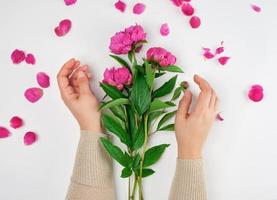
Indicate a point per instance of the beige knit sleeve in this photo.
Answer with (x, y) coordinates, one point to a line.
(92, 177)
(188, 183)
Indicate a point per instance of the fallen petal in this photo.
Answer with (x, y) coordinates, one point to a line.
(256, 93)
(223, 60)
(219, 50)
(63, 28)
(4, 132)
(120, 5)
(70, 2)
(177, 2)
(219, 117)
(16, 122)
(30, 59)
(43, 80)
(30, 138)
(33, 94)
(187, 9)
(195, 22)
(164, 30)
(208, 54)
(256, 8)
(17, 56)
(138, 8)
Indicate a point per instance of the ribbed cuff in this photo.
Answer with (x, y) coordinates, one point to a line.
(92, 166)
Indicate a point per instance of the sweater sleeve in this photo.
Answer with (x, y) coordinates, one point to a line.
(92, 177)
(188, 182)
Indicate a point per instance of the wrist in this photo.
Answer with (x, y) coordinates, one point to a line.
(189, 154)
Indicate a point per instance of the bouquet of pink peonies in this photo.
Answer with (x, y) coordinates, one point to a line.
(135, 106)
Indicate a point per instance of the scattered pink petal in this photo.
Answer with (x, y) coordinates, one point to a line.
(4, 132)
(219, 117)
(63, 28)
(187, 9)
(256, 93)
(177, 2)
(206, 49)
(187, 0)
(30, 138)
(219, 50)
(195, 22)
(17, 56)
(16, 122)
(223, 60)
(43, 80)
(207, 54)
(70, 2)
(256, 8)
(120, 5)
(33, 94)
(164, 30)
(138, 8)
(30, 59)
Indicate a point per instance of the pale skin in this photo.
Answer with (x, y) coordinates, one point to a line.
(192, 125)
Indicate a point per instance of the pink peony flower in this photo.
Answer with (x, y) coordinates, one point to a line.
(187, 9)
(164, 30)
(30, 138)
(70, 2)
(30, 59)
(223, 60)
(16, 122)
(117, 77)
(195, 22)
(256, 93)
(161, 56)
(33, 94)
(120, 5)
(138, 8)
(256, 8)
(4, 132)
(63, 28)
(17, 56)
(123, 41)
(43, 80)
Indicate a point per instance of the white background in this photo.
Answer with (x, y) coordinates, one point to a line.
(240, 154)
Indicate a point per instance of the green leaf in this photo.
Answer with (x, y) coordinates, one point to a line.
(166, 88)
(139, 137)
(113, 103)
(159, 74)
(121, 61)
(153, 115)
(136, 161)
(111, 91)
(118, 111)
(140, 94)
(147, 172)
(126, 172)
(172, 68)
(115, 152)
(177, 93)
(165, 118)
(114, 126)
(153, 154)
(158, 104)
(150, 75)
(169, 127)
(131, 121)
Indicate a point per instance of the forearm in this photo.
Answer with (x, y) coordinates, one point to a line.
(92, 176)
(189, 181)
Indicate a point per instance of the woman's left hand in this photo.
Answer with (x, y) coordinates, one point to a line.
(73, 81)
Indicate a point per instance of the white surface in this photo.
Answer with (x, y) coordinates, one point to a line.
(240, 154)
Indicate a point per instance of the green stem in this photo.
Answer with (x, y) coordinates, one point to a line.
(134, 189)
(129, 189)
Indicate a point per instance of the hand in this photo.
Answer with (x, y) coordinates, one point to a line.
(73, 81)
(192, 128)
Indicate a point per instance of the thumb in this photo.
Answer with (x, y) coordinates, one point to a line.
(184, 103)
(83, 83)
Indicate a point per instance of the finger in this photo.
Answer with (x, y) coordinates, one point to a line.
(216, 105)
(185, 103)
(205, 94)
(213, 100)
(83, 83)
(74, 77)
(64, 73)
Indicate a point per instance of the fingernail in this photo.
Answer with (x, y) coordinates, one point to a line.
(81, 74)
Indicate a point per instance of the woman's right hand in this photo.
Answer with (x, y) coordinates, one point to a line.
(192, 127)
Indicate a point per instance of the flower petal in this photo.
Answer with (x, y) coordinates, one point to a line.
(33, 94)
(138, 8)
(4, 132)
(219, 50)
(17, 56)
(120, 5)
(219, 117)
(16, 122)
(43, 80)
(177, 2)
(63, 28)
(30, 59)
(256, 93)
(30, 137)
(223, 60)
(195, 22)
(256, 8)
(187, 9)
(70, 2)
(208, 54)
(164, 30)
